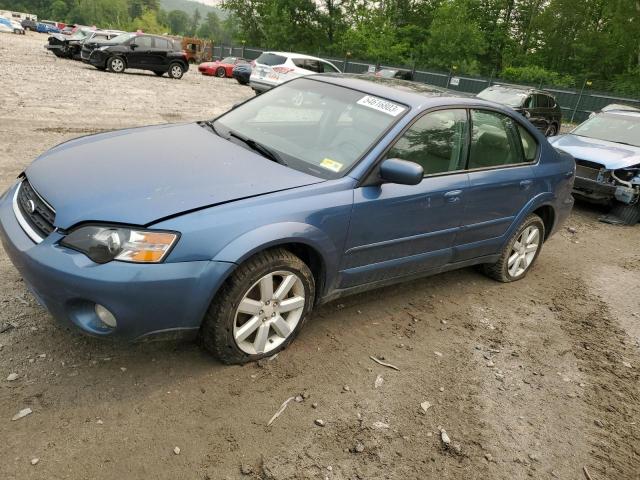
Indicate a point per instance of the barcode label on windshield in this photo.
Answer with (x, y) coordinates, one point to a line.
(381, 105)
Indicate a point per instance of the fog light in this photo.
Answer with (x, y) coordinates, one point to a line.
(106, 316)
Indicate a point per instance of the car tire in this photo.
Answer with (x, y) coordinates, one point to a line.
(266, 325)
(516, 259)
(176, 71)
(625, 214)
(221, 72)
(159, 73)
(116, 65)
(552, 130)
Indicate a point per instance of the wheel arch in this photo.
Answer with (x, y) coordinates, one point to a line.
(548, 215)
(307, 242)
(541, 205)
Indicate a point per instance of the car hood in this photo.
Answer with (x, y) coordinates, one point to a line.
(211, 64)
(610, 154)
(141, 175)
(59, 38)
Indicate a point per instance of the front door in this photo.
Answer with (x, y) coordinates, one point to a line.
(398, 230)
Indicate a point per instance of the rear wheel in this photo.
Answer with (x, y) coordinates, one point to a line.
(176, 71)
(115, 65)
(221, 72)
(520, 252)
(260, 309)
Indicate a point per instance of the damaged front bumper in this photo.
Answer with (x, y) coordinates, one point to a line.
(597, 184)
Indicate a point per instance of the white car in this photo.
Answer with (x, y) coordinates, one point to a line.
(9, 25)
(273, 68)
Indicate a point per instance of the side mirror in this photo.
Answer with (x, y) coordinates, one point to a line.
(402, 172)
(133, 46)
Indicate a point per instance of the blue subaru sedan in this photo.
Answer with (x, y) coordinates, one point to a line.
(235, 229)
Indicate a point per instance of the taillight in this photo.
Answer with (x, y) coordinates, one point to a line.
(282, 69)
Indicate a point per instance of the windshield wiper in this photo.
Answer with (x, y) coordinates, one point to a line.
(258, 147)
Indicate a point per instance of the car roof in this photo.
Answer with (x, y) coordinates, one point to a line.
(297, 55)
(520, 88)
(413, 94)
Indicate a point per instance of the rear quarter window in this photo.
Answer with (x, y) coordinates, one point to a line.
(271, 59)
(529, 144)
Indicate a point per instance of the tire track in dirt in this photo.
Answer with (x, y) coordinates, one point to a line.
(612, 394)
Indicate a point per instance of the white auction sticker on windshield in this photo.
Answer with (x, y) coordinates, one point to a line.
(381, 105)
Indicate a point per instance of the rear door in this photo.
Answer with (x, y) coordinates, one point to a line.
(397, 230)
(158, 55)
(501, 182)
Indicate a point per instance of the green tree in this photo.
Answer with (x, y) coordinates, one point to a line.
(178, 22)
(211, 28)
(455, 39)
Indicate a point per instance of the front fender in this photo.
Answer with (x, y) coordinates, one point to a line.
(267, 236)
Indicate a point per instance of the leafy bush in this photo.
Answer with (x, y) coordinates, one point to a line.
(536, 75)
(627, 83)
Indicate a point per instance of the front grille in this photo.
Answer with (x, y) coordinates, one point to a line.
(590, 170)
(37, 214)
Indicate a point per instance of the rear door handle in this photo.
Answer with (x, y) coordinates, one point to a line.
(526, 183)
(453, 196)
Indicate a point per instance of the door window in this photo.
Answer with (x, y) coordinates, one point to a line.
(494, 140)
(161, 43)
(328, 68)
(436, 142)
(143, 42)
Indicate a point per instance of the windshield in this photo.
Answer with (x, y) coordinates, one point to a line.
(511, 98)
(271, 59)
(614, 128)
(123, 37)
(228, 60)
(315, 127)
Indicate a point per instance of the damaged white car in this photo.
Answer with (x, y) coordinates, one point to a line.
(606, 148)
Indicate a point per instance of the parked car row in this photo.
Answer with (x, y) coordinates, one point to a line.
(117, 51)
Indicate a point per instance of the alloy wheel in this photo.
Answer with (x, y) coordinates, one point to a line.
(551, 131)
(524, 251)
(117, 65)
(269, 312)
(176, 71)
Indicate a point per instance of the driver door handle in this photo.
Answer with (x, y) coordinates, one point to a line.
(526, 184)
(453, 196)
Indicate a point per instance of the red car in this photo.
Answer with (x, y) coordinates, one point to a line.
(221, 68)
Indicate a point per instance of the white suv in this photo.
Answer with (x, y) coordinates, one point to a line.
(273, 68)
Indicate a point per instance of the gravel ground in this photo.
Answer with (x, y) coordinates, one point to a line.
(538, 379)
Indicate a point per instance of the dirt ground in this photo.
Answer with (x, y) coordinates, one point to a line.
(537, 379)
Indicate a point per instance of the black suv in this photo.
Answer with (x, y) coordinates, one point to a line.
(540, 107)
(145, 52)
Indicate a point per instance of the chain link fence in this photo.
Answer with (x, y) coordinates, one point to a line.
(576, 104)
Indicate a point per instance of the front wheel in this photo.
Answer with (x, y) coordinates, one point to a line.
(552, 130)
(176, 71)
(115, 65)
(519, 253)
(260, 309)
